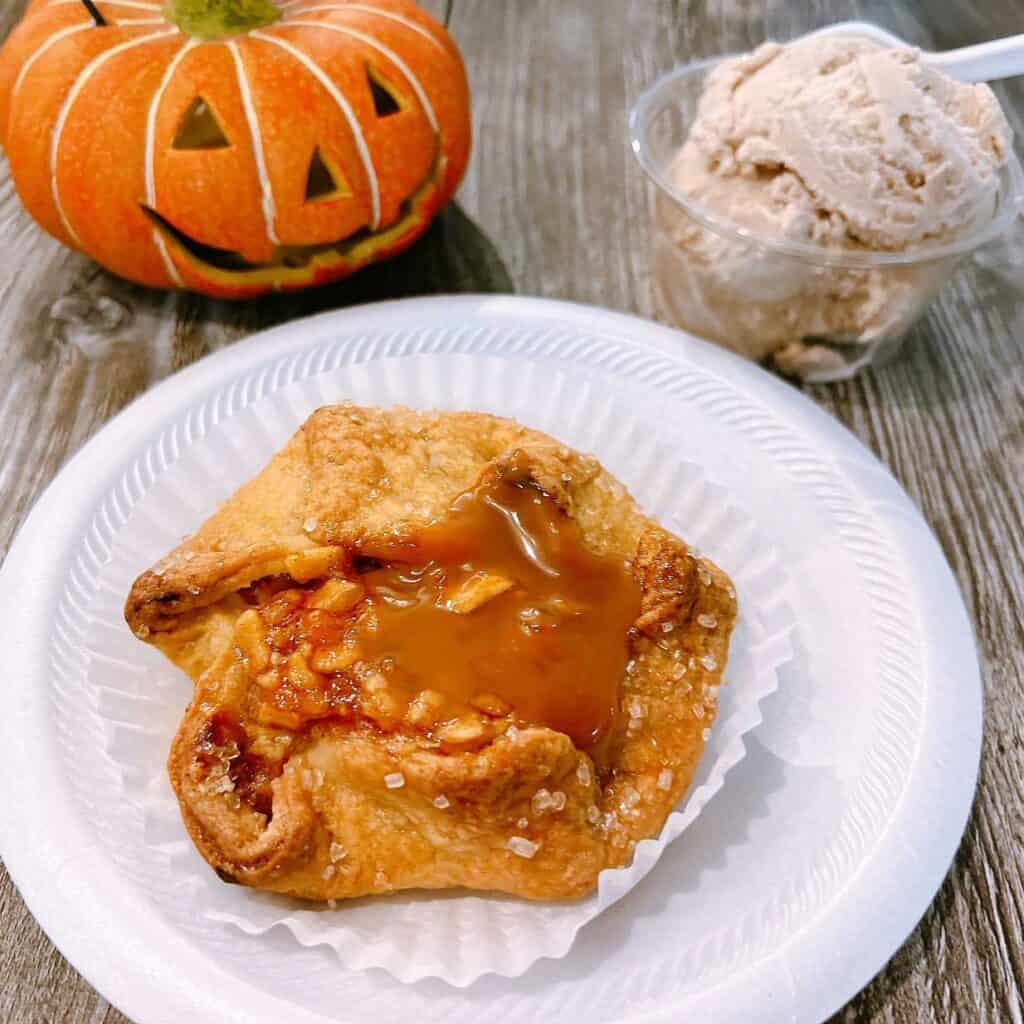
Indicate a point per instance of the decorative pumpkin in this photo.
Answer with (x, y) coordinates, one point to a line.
(233, 147)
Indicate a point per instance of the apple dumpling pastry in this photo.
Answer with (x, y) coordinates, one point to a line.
(433, 650)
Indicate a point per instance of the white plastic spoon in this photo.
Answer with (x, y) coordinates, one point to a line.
(984, 62)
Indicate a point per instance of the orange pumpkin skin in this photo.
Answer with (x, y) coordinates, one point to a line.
(95, 124)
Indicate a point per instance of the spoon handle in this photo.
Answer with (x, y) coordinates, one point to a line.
(985, 62)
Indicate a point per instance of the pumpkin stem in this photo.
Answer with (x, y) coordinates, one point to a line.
(213, 19)
(95, 12)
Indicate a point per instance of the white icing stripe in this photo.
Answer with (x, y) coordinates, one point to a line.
(391, 56)
(350, 116)
(114, 3)
(58, 129)
(63, 34)
(55, 38)
(161, 246)
(154, 107)
(369, 9)
(269, 209)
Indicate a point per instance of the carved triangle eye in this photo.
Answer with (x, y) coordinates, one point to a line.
(385, 103)
(199, 128)
(324, 181)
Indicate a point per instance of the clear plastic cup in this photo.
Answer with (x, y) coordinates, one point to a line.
(822, 314)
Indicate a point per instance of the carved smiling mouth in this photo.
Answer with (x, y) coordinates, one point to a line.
(293, 257)
(298, 257)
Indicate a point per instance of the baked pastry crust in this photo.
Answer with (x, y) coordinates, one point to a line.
(351, 808)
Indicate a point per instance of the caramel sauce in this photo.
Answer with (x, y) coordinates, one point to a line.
(496, 606)
(553, 645)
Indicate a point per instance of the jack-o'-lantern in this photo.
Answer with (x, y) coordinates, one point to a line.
(233, 147)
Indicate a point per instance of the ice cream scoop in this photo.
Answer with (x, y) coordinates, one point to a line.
(844, 141)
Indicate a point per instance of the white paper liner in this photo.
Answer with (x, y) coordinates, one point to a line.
(454, 936)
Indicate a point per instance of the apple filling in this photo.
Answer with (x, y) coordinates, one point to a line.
(493, 614)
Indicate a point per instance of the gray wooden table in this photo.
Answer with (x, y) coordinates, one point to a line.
(553, 205)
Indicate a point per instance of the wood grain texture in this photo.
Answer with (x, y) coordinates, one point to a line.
(553, 205)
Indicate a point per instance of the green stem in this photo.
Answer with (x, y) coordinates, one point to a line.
(213, 19)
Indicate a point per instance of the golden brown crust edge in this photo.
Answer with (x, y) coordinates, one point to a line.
(336, 829)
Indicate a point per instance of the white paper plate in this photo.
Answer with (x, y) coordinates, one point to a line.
(798, 879)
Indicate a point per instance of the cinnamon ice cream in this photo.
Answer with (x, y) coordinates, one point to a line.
(835, 142)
